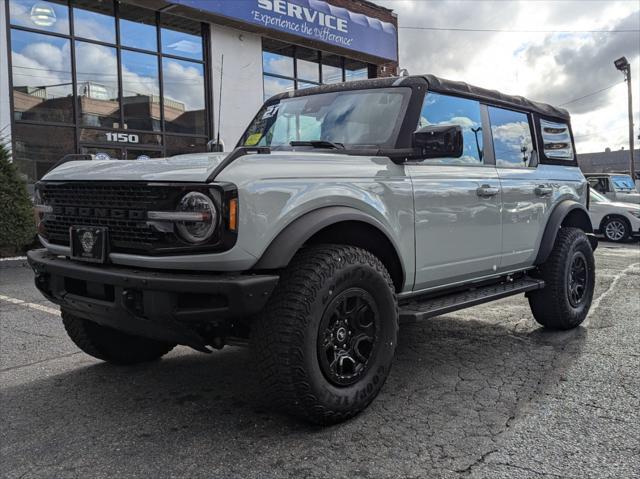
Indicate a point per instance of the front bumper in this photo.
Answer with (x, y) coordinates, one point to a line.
(161, 305)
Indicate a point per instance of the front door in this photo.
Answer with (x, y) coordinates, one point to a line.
(457, 201)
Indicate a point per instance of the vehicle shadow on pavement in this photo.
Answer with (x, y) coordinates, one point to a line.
(456, 384)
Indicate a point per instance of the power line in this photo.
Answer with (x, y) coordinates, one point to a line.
(499, 30)
(591, 94)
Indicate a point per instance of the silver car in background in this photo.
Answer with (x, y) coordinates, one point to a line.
(616, 220)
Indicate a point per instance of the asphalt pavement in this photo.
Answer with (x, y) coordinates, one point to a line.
(480, 393)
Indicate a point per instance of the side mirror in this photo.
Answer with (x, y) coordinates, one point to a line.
(439, 141)
(213, 146)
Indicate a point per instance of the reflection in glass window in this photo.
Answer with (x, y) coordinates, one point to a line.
(512, 141)
(40, 15)
(557, 140)
(280, 63)
(140, 91)
(97, 84)
(94, 21)
(273, 86)
(183, 83)
(138, 28)
(449, 110)
(308, 64)
(355, 70)
(41, 72)
(331, 68)
(38, 148)
(181, 37)
(177, 145)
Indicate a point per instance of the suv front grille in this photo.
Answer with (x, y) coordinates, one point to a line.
(121, 207)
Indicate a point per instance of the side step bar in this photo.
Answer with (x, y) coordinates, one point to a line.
(428, 308)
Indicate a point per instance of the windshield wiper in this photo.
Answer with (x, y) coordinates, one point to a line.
(318, 144)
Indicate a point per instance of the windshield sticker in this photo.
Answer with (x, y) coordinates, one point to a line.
(253, 140)
(270, 111)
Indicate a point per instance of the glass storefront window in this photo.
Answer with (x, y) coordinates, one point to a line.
(278, 61)
(41, 76)
(331, 69)
(97, 85)
(355, 70)
(274, 85)
(40, 15)
(181, 37)
(38, 148)
(178, 145)
(140, 91)
(308, 64)
(94, 21)
(184, 98)
(138, 28)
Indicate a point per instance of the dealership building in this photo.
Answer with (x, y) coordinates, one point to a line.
(153, 78)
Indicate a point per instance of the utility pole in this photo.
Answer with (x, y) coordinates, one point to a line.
(624, 66)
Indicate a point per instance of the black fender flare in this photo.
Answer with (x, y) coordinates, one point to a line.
(286, 243)
(581, 219)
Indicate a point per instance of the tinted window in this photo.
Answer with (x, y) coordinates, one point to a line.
(308, 64)
(277, 59)
(40, 15)
(274, 85)
(95, 21)
(557, 140)
(511, 134)
(38, 148)
(41, 72)
(140, 91)
(331, 68)
(138, 28)
(181, 37)
(177, 145)
(183, 96)
(449, 110)
(97, 83)
(355, 70)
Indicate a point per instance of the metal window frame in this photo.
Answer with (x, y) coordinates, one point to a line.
(76, 123)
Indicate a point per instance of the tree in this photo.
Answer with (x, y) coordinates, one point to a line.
(17, 228)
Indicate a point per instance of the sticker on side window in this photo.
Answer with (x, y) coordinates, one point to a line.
(270, 111)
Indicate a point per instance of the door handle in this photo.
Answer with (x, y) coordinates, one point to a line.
(543, 190)
(486, 191)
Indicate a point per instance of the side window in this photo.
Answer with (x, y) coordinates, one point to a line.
(511, 134)
(450, 110)
(557, 140)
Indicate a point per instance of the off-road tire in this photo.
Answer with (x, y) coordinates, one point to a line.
(553, 306)
(111, 345)
(613, 233)
(285, 338)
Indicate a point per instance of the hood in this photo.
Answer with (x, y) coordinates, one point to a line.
(194, 167)
(621, 204)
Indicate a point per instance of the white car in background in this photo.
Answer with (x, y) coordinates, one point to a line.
(615, 220)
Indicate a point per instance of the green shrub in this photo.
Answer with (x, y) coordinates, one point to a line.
(17, 228)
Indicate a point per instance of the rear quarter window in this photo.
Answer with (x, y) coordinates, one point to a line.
(556, 139)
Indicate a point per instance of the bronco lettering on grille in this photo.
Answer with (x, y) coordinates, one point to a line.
(99, 212)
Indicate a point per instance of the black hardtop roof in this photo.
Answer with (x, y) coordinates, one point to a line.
(440, 85)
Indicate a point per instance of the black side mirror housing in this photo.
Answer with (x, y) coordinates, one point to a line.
(438, 141)
(215, 147)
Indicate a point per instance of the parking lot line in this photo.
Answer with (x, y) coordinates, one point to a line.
(38, 307)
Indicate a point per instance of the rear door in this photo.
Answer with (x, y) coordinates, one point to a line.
(527, 193)
(457, 200)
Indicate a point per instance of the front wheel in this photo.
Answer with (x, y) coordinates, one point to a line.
(325, 343)
(616, 229)
(569, 276)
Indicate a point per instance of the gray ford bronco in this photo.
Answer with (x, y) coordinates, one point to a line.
(344, 210)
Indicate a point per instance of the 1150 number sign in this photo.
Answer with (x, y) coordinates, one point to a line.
(123, 137)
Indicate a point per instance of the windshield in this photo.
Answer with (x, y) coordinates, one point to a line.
(353, 119)
(623, 183)
(596, 197)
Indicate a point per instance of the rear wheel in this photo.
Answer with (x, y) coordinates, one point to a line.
(616, 229)
(112, 345)
(325, 343)
(569, 276)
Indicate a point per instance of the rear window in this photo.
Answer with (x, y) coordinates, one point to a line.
(557, 140)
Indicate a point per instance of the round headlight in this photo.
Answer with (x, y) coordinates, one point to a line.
(205, 218)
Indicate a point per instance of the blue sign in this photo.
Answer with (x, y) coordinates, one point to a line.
(312, 19)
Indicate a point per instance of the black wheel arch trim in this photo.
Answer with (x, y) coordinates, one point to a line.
(285, 245)
(560, 213)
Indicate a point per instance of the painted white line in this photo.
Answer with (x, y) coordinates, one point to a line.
(35, 306)
(14, 258)
(595, 304)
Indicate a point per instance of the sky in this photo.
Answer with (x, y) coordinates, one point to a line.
(565, 62)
